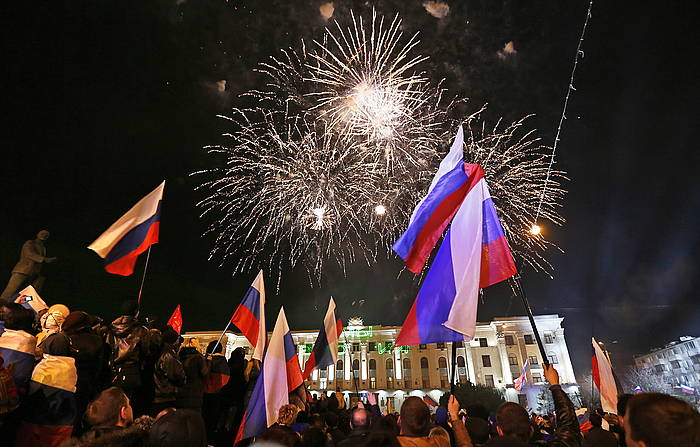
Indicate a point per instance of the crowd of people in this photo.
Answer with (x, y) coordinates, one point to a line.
(69, 379)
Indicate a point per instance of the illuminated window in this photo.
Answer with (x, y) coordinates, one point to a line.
(339, 369)
(425, 372)
(390, 373)
(421, 347)
(512, 360)
(532, 359)
(552, 358)
(407, 372)
(441, 345)
(461, 369)
(356, 368)
(355, 347)
(548, 339)
(444, 373)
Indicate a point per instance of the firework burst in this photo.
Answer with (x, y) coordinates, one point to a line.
(342, 144)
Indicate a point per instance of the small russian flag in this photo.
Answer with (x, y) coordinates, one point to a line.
(250, 316)
(325, 351)
(429, 400)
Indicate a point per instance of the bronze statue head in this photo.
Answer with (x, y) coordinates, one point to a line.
(43, 235)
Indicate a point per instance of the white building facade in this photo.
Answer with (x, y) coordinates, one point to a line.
(677, 363)
(369, 362)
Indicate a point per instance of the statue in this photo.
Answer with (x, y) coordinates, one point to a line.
(28, 269)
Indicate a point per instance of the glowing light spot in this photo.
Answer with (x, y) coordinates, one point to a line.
(535, 230)
(380, 210)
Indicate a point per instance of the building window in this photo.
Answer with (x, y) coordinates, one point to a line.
(461, 369)
(696, 359)
(553, 358)
(529, 340)
(339, 369)
(548, 339)
(512, 360)
(372, 346)
(532, 359)
(488, 379)
(659, 368)
(356, 368)
(390, 373)
(355, 347)
(459, 344)
(510, 341)
(372, 383)
(422, 347)
(407, 372)
(372, 368)
(676, 351)
(444, 373)
(675, 364)
(483, 343)
(323, 373)
(425, 372)
(486, 360)
(441, 345)
(536, 377)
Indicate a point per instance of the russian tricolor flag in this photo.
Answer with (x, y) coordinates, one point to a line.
(604, 379)
(250, 316)
(473, 255)
(522, 378)
(219, 374)
(131, 235)
(49, 409)
(30, 299)
(17, 349)
(279, 376)
(325, 351)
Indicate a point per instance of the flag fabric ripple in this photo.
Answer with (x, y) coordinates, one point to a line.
(473, 255)
(325, 350)
(604, 379)
(49, 408)
(17, 349)
(522, 378)
(249, 316)
(280, 374)
(131, 235)
(175, 320)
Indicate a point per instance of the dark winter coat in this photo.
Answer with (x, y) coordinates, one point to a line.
(196, 368)
(129, 343)
(168, 375)
(110, 437)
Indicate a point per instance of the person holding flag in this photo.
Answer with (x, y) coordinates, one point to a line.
(279, 376)
(325, 350)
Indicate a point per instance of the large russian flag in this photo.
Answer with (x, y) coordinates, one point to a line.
(17, 349)
(131, 235)
(473, 255)
(325, 351)
(280, 374)
(49, 409)
(432, 214)
(250, 316)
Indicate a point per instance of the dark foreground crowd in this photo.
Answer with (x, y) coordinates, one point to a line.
(142, 386)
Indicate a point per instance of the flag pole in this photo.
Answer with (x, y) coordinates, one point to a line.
(218, 342)
(454, 367)
(521, 291)
(143, 279)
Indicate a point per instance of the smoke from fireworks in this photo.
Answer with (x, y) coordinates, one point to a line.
(343, 143)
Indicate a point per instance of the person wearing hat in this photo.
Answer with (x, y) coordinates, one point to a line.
(51, 321)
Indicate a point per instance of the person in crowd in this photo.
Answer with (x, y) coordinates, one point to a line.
(218, 376)
(178, 428)
(656, 420)
(169, 373)
(514, 427)
(51, 321)
(48, 410)
(232, 395)
(191, 394)
(417, 432)
(331, 420)
(130, 349)
(359, 428)
(110, 418)
(314, 437)
(18, 345)
(251, 374)
(301, 423)
(596, 436)
(619, 429)
(79, 341)
(281, 431)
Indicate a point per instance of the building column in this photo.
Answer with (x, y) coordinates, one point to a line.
(398, 369)
(470, 363)
(505, 364)
(363, 361)
(348, 362)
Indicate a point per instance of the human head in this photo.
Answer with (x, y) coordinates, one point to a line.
(415, 417)
(622, 400)
(287, 415)
(512, 420)
(77, 321)
(215, 347)
(43, 235)
(130, 307)
(110, 408)
(170, 337)
(359, 419)
(18, 317)
(655, 420)
(596, 420)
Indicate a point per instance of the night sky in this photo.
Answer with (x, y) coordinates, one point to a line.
(104, 100)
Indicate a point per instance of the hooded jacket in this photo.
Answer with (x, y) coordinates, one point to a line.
(130, 346)
(168, 375)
